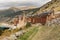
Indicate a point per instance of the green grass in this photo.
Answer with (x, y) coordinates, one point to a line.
(33, 34)
(48, 33)
(28, 34)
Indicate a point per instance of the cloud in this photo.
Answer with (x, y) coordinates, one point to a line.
(10, 3)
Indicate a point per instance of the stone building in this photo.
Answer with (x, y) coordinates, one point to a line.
(42, 18)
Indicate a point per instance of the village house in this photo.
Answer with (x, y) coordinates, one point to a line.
(15, 21)
(41, 18)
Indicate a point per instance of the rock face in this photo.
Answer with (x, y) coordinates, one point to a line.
(53, 22)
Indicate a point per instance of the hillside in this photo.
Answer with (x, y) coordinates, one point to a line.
(45, 7)
(48, 33)
(37, 31)
(45, 32)
(12, 12)
(6, 15)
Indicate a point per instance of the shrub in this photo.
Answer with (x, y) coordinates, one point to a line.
(28, 24)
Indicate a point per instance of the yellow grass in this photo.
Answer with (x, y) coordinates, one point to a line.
(48, 33)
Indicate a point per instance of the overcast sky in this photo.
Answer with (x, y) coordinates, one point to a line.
(10, 3)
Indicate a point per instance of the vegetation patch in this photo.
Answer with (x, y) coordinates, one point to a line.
(28, 25)
(28, 34)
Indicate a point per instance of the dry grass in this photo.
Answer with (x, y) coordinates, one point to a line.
(48, 33)
(8, 33)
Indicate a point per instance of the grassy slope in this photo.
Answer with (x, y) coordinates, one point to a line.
(48, 33)
(43, 33)
(27, 35)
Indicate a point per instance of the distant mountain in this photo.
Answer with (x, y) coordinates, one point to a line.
(9, 13)
(12, 12)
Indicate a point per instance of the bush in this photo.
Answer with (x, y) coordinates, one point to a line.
(1, 31)
(28, 24)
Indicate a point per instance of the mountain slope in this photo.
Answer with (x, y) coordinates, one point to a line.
(8, 14)
(48, 33)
